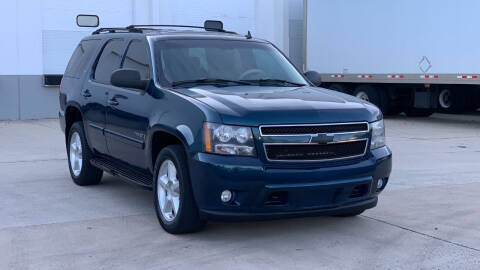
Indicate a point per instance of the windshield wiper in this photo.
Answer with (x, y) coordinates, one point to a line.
(274, 82)
(210, 81)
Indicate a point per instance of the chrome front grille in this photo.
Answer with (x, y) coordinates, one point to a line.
(316, 142)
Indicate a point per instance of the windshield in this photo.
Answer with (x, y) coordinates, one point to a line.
(183, 63)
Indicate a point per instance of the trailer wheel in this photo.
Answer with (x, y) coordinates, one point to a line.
(374, 95)
(456, 100)
(445, 99)
(340, 88)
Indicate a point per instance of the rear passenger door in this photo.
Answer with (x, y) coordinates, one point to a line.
(128, 111)
(95, 92)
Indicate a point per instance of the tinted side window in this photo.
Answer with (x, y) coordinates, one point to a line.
(109, 61)
(80, 58)
(137, 58)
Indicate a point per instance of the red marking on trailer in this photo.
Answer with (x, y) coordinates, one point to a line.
(467, 77)
(365, 76)
(337, 76)
(395, 76)
(429, 76)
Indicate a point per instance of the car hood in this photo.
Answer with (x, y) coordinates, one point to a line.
(257, 105)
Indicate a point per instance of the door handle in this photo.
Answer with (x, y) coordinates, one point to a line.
(86, 93)
(113, 102)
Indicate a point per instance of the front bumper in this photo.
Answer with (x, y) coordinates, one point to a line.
(303, 190)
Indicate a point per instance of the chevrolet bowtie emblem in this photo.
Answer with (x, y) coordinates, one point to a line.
(321, 138)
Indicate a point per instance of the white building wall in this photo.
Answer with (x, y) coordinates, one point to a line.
(42, 34)
(38, 37)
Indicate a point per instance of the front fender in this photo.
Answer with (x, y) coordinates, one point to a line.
(183, 132)
(182, 117)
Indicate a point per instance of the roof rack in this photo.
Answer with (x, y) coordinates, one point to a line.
(115, 30)
(143, 27)
(216, 26)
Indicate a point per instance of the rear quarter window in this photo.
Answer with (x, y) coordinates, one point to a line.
(80, 58)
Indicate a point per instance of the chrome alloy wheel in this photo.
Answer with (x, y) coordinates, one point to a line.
(168, 190)
(362, 95)
(76, 154)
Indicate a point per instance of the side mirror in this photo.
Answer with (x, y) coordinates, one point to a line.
(84, 20)
(313, 77)
(128, 78)
(210, 25)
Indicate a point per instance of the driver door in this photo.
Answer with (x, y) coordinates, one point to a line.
(128, 111)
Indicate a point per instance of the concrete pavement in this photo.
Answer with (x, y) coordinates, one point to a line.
(428, 217)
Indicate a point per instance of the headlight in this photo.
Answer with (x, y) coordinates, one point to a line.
(228, 140)
(378, 134)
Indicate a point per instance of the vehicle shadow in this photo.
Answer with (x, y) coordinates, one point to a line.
(126, 193)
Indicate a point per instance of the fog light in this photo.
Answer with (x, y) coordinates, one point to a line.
(226, 196)
(379, 184)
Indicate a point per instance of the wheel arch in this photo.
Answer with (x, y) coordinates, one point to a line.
(161, 136)
(72, 114)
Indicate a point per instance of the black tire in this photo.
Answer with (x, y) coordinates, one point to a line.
(187, 219)
(458, 99)
(452, 100)
(89, 175)
(339, 88)
(374, 95)
(415, 112)
(351, 213)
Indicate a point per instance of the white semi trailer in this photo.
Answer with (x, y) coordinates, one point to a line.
(412, 56)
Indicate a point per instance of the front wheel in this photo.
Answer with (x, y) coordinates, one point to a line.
(175, 205)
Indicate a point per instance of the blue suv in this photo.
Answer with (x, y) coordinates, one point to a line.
(219, 125)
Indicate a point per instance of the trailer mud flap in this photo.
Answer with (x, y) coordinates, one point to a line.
(425, 98)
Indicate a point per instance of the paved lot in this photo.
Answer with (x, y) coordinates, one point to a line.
(428, 217)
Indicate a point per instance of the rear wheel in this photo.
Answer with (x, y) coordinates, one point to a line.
(445, 99)
(452, 101)
(175, 205)
(79, 155)
(457, 99)
(374, 95)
